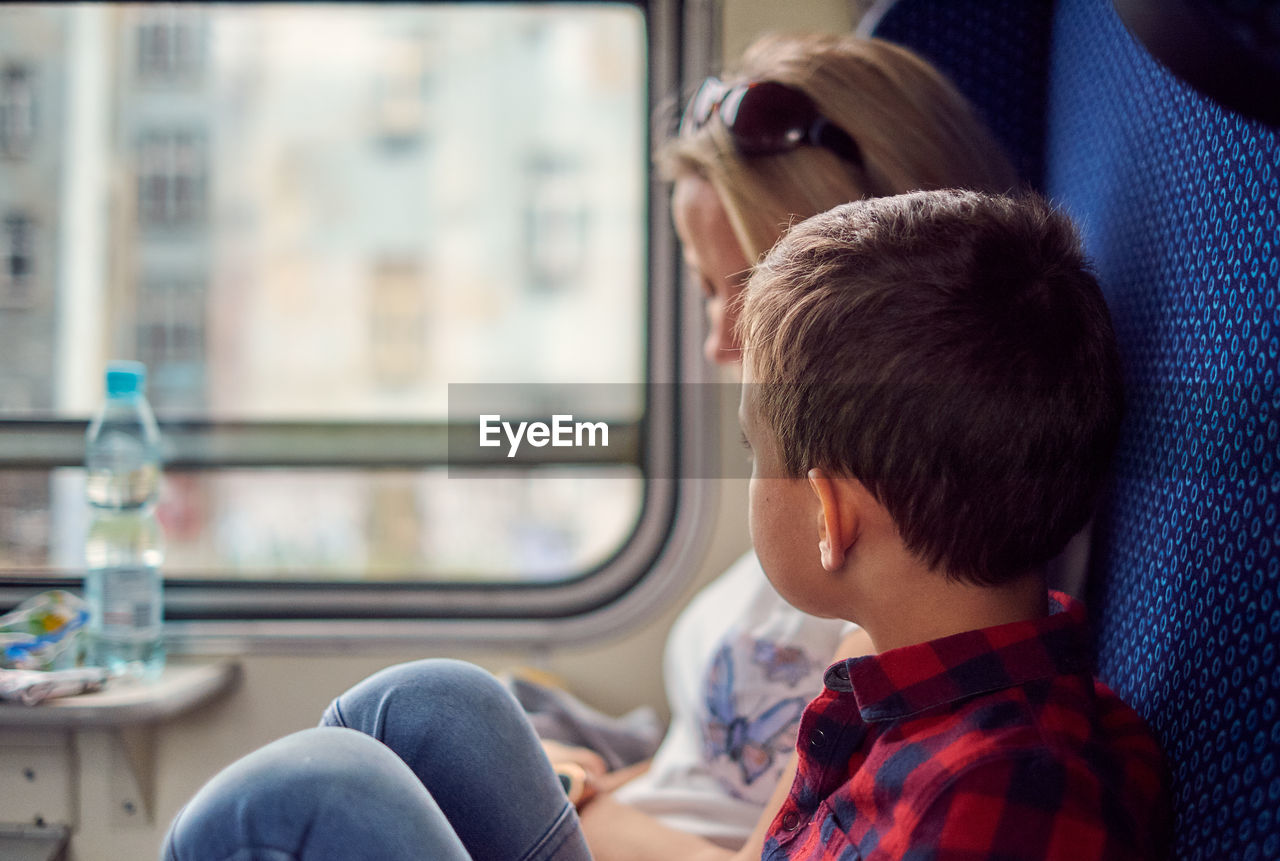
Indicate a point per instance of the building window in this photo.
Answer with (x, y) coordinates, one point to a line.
(17, 110)
(17, 269)
(557, 224)
(24, 519)
(171, 318)
(170, 44)
(402, 90)
(398, 327)
(172, 179)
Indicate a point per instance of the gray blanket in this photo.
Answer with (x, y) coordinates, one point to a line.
(558, 715)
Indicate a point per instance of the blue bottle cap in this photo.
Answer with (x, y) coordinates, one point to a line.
(126, 378)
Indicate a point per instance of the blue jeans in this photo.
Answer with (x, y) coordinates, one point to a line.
(428, 760)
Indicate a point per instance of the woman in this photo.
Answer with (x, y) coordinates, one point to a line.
(804, 123)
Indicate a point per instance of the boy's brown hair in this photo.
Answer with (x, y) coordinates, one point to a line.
(952, 351)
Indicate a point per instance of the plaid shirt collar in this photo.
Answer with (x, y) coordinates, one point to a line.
(911, 679)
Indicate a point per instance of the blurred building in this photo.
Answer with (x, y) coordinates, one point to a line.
(32, 85)
(311, 214)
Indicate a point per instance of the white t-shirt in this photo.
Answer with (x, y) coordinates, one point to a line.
(740, 666)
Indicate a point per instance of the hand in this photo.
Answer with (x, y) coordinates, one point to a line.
(588, 760)
(614, 779)
(576, 784)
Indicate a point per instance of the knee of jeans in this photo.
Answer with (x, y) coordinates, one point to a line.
(322, 754)
(330, 764)
(420, 689)
(278, 789)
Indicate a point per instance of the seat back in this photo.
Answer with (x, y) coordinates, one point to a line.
(1178, 199)
(996, 53)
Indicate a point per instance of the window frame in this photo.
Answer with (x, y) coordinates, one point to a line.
(676, 437)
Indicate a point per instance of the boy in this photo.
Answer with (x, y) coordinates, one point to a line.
(932, 395)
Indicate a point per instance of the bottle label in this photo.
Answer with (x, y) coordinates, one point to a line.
(131, 599)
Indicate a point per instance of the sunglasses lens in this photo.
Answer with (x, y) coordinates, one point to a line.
(767, 117)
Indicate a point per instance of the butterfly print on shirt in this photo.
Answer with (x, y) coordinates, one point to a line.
(748, 741)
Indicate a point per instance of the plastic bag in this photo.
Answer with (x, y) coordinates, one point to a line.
(43, 632)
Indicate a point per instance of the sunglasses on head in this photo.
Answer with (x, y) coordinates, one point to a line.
(766, 118)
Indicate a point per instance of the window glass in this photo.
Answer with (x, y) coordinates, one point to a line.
(310, 217)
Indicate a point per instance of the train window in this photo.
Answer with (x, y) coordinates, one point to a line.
(318, 226)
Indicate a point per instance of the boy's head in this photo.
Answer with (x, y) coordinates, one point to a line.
(951, 351)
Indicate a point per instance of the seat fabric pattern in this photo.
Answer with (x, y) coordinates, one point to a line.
(1179, 202)
(996, 53)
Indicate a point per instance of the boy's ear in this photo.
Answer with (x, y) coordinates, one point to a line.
(838, 517)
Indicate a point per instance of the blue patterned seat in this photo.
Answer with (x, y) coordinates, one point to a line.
(1179, 202)
(997, 49)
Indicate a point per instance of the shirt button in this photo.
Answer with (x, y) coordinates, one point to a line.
(817, 739)
(790, 821)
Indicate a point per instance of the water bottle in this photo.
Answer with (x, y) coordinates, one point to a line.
(124, 548)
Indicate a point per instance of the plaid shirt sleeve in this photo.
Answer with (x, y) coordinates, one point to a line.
(1028, 805)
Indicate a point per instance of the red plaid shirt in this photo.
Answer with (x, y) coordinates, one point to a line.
(991, 744)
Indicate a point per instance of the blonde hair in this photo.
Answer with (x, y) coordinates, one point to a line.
(914, 129)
